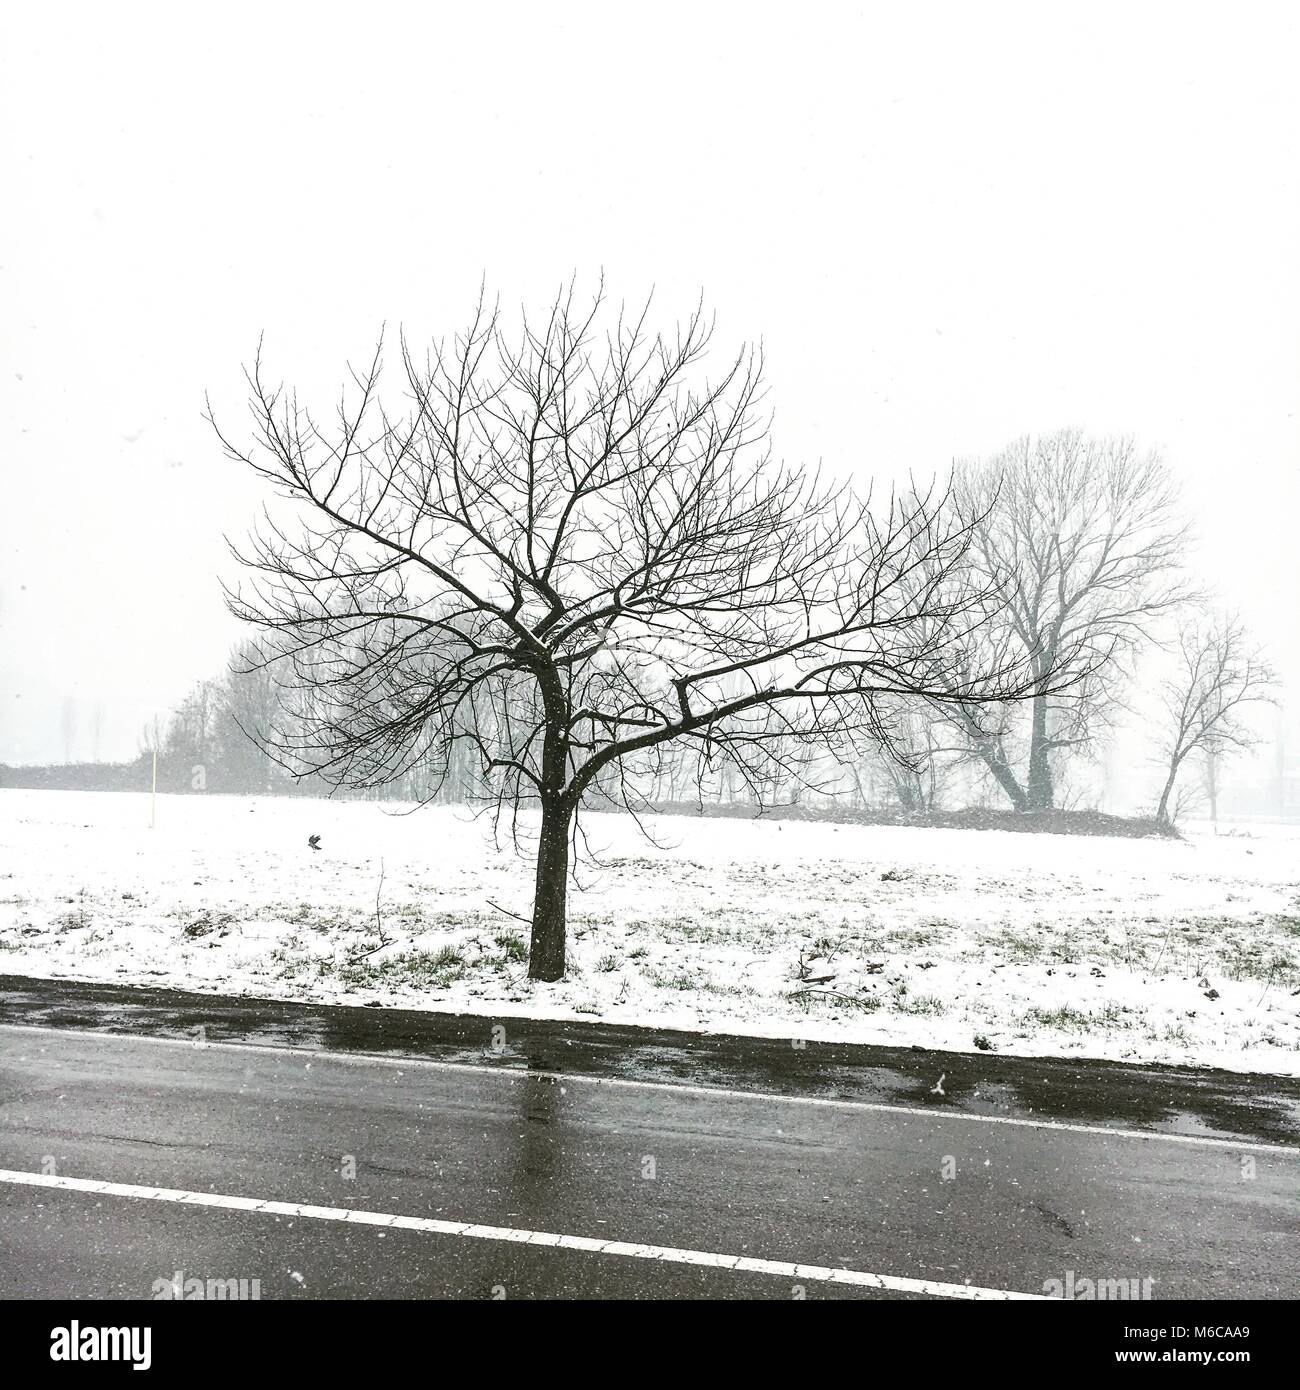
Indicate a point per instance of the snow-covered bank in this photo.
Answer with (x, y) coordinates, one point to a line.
(1149, 950)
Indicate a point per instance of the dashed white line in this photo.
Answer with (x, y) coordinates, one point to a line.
(516, 1074)
(745, 1264)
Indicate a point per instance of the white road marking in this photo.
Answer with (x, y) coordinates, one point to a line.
(745, 1264)
(515, 1074)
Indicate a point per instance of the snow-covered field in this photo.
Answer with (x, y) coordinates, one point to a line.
(1136, 949)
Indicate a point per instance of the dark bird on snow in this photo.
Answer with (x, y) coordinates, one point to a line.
(314, 841)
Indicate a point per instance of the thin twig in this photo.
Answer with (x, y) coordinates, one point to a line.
(379, 926)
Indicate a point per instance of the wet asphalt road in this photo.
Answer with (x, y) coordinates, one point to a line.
(532, 1138)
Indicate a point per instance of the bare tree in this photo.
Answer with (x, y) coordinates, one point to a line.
(246, 706)
(1211, 770)
(152, 735)
(1084, 539)
(188, 741)
(568, 549)
(1218, 674)
(910, 763)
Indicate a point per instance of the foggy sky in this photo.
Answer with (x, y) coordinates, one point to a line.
(949, 224)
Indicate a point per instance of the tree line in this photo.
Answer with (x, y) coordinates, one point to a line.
(560, 567)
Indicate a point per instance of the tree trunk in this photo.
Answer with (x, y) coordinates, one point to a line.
(547, 950)
(995, 760)
(1039, 793)
(1162, 811)
(991, 752)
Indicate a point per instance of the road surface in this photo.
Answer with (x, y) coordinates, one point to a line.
(346, 1173)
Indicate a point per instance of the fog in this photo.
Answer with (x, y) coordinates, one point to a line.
(948, 225)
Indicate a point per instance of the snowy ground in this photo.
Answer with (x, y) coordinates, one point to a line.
(1136, 949)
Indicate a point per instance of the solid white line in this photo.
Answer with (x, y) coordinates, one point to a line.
(514, 1074)
(626, 1249)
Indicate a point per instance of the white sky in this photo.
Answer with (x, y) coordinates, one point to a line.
(950, 224)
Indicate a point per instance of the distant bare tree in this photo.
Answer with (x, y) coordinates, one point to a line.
(1212, 766)
(153, 735)
(247, 705)
(567, 549)
(188, 741)
(910, 763)
(1218, 674)
(1084, 539)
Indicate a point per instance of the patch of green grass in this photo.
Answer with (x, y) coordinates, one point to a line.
(318, 919)
(608, 963)
(512, 946)
(457, 921)
(692, 930)
(204, 923)
(911, 938)
(828, 946)
(410, 969)
(708, 986)
(681, 980)
(919, 1004)
(1065, 1018)
(808, 1000)
(1114, 1016)
(1018, 949)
